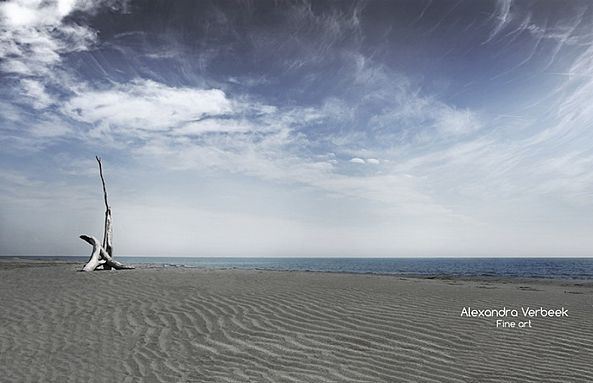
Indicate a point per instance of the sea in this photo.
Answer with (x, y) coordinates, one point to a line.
(547, 268)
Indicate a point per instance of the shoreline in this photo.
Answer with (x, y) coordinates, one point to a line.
(576, 282)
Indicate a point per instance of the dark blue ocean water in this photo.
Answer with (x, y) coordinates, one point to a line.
(556, 268)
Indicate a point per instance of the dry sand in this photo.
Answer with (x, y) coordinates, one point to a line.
(190, 325)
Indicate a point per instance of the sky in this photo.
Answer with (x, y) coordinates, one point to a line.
(297, 128)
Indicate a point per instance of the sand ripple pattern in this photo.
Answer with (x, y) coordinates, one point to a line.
(180, 325)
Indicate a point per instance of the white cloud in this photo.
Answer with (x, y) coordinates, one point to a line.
(502, 16)
(36, 91)
(148, 105)
(416, 118)
(215, 125)
(33, 37)
(451, 121)
(50, 128)
(358, 160)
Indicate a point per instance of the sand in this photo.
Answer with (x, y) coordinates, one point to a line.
(192, 325)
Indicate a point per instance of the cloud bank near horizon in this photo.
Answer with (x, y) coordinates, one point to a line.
(298, 128)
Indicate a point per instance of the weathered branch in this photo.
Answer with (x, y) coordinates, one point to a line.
(102, 181)
(107, 228)
(99, 256)
(95, 258)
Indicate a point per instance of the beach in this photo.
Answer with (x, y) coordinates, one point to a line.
(202, 325)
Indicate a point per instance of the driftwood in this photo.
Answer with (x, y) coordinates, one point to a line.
(102, 255)
(107, 229)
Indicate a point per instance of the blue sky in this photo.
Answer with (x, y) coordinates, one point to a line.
(404, 128)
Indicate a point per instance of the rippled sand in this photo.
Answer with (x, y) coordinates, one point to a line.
(189, 325)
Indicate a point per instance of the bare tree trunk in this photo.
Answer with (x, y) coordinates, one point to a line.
(102, 255)
(107, 232)
(107, 226)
